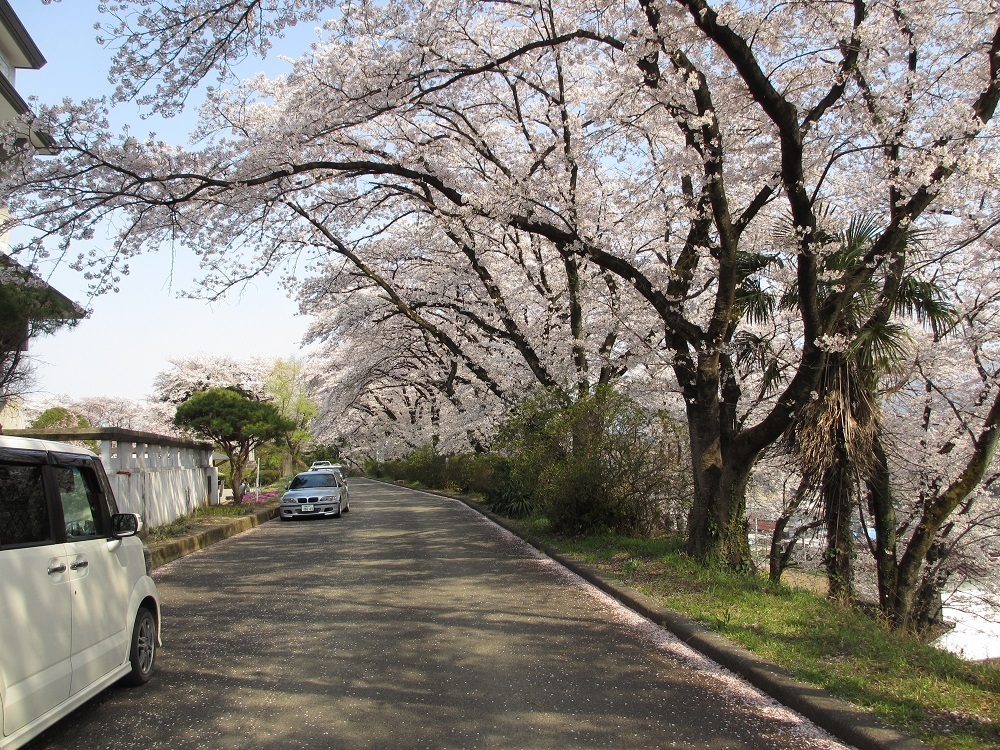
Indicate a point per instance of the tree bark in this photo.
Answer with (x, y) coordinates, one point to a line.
(838, 513)
(883, 513)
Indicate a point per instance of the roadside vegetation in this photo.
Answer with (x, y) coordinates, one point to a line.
(950, 703)
(210, 515)
(601, 480)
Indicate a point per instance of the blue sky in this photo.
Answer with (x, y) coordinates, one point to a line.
(130, 336)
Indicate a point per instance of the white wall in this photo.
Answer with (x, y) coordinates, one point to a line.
(161, 483)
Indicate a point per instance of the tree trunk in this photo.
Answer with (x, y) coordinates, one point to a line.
(781, 554)
(721, 464)
(238, 458)
(717, 527)
(838, 513)
(927, 611)
(883, 513)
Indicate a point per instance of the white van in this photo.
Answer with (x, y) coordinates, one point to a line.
(78, 609)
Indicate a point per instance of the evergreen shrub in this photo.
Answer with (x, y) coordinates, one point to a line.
(594, 464)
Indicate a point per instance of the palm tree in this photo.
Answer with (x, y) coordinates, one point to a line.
(838, 435)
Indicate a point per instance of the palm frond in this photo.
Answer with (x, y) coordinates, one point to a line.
(753, 303)
(880, 349)
(925, 301)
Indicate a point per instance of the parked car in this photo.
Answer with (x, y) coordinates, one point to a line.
(315, 493)
(339, 471)
(79, 609)
(328, 466)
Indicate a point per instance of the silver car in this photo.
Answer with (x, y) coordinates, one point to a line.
(315, 493)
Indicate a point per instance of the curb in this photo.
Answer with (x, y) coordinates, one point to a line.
(178, 548)
(845, 721)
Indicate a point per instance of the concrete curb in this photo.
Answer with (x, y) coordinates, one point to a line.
(161, 554)
(842, 719)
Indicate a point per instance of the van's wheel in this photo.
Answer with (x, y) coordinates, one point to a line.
(142, 655)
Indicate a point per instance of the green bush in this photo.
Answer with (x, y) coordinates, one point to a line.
(595, 464)
(270, 457)
(473, 473)
(507, 493)
(424, 465)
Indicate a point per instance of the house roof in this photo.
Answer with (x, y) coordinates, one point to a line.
(19, 50)
(15, 42)
(43, 302)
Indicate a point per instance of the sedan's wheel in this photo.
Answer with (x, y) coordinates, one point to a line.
(142, 655)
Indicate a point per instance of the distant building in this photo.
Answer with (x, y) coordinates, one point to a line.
(28, 305)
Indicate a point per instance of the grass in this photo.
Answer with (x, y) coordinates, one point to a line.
(164, 532)
(949, 703)
(228, 511)
(190, 523)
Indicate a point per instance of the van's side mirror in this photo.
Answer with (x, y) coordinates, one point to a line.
(125, 524)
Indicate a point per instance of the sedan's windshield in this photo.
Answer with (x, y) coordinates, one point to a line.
(313, 480)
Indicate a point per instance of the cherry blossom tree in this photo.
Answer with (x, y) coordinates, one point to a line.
(933, 504)
(449, 345)
(190, 375)
(658, 144)
(386, 389)
(107, 411)
(126, 414)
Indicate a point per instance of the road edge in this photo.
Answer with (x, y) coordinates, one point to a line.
(844, 720)
(161, 554)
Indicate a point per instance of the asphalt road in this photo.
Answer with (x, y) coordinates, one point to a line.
(412, 622)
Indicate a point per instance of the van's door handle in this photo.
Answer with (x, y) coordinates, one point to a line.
(78, 564)
(53, 569)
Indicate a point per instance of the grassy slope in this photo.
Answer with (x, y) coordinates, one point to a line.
(930, 694)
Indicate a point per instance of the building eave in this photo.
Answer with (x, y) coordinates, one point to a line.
(30, 56)
(12, 99)
(52, 304)
(12, 107)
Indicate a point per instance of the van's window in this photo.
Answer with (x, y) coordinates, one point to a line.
(24, 514)
(80, 494)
